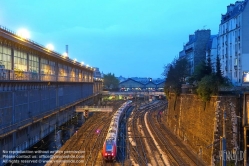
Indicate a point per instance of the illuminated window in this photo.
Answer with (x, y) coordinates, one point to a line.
(47, 67)
(44, 66)
(80, 74)
(20, 60)
(236, 62)
(72, 71)
(63, 70)
(33, 64)
(52, 67)
(5, 57)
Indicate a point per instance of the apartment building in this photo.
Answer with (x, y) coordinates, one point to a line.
(233, 43)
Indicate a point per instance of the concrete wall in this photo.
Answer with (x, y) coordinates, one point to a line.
(199, 123)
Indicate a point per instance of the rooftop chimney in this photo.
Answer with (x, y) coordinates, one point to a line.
(67, 49)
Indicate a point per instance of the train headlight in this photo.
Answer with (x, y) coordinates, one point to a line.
(105, 154)
(112, 154)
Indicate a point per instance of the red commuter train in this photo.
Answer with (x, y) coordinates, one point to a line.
(109, 151)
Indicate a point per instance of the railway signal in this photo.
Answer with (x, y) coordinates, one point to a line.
(98, 131)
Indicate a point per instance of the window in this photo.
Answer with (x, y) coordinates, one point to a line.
(20, 60)
(235, 74)
(52, 67)
(80, 74)
(44, 66)
(33, 63)
(62, 70)
(47, 67)
(72, 72)
(108, 147)
(5, 57)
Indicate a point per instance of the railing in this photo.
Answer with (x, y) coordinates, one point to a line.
(18, 75)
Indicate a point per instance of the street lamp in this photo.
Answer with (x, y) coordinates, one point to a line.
(23, 33)
(50, 47)
(64, 55)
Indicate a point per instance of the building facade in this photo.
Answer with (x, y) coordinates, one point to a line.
(233, 43)
(195, 49)
(211, 50)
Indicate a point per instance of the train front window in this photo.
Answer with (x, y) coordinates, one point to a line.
(108, 147)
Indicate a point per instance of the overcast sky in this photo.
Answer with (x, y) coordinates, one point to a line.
(125, 37)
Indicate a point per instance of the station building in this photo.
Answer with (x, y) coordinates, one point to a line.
(141, 84)
(39, 90)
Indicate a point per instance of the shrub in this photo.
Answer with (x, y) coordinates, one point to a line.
(207, 87)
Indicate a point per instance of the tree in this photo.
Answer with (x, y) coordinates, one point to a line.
(209, 66)
(201, 70)
(199, 73)
(218, 71)
(207, 87)
(175, 75)
(210, 84)
(110, 82)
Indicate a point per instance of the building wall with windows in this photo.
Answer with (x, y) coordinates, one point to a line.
(233, 40)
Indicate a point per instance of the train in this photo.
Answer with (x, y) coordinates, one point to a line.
(109, 151)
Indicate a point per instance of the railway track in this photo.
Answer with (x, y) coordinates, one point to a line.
(154, 154)
(144, 152)
(138, 151)
(178, 155)
(189, 155)
(87, 141)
